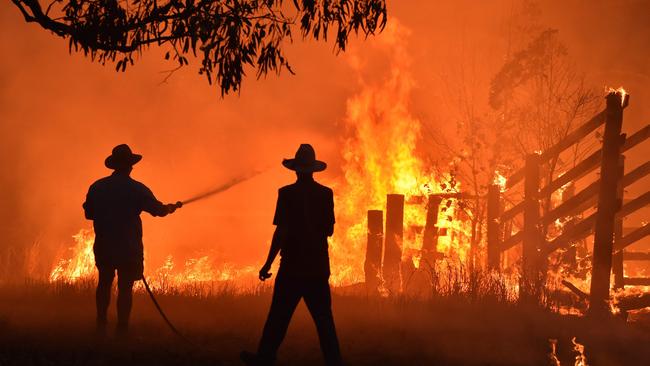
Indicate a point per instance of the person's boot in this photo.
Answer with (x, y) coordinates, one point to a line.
(252, 359)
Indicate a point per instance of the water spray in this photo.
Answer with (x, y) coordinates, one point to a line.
(222, 188)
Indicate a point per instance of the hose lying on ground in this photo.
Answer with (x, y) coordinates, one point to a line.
(162, 313)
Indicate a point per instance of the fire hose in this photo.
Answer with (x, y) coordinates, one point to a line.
(162, 313)
(195, 198)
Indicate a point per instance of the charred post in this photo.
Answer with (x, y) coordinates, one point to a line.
(493, 227)
(617, 258)
(393, 241)
(372, 265)
(608, 204)
(430, 239)
(531, 233)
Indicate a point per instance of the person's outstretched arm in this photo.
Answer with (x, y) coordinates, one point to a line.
(154, 207)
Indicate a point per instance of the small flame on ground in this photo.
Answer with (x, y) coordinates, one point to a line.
(581, 359)
(553, 354)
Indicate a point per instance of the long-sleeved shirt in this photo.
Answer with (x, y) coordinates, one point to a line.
(114, 203)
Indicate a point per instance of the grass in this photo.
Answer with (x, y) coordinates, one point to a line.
(45, 324)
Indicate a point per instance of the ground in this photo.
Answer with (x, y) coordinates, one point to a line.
(45, 325)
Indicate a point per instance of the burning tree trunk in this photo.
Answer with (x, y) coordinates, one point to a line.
(372, 266)
(608, 204)
(393, 241)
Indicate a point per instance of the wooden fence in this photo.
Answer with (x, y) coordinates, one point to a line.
(604, 194)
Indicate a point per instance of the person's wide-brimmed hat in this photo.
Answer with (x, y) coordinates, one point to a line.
(305, 161)
(121, 157)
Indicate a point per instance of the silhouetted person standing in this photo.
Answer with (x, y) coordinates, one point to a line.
(304, 218)
(114, 203)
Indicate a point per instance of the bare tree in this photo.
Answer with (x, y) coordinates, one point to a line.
(226, 35)
(536, 98)
(542, 98)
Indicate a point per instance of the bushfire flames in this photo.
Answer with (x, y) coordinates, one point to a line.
(81, 265)
(380, 157)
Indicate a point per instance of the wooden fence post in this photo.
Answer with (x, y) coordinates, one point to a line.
(531, 233)
(493, 227)
(617, 258)
(393, 242)
(430, 239)
(608, 204)
(374, 247)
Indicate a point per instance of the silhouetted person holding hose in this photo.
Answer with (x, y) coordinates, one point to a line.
(304, 218)
(114, 203)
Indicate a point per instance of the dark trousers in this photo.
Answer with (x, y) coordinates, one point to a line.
(286, 295)
(124, 296)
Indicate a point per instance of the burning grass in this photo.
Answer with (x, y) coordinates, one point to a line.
(201, 277)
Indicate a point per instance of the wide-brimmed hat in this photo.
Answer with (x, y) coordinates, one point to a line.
(122, 156)
(305, 161)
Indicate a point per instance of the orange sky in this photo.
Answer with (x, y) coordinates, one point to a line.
(60, 115)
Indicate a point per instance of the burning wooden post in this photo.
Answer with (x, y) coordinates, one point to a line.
(372, 266)
(393, 241)
(608, 204)
(617, 258)
(531, 233)
(493, 226)
(430, 239)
